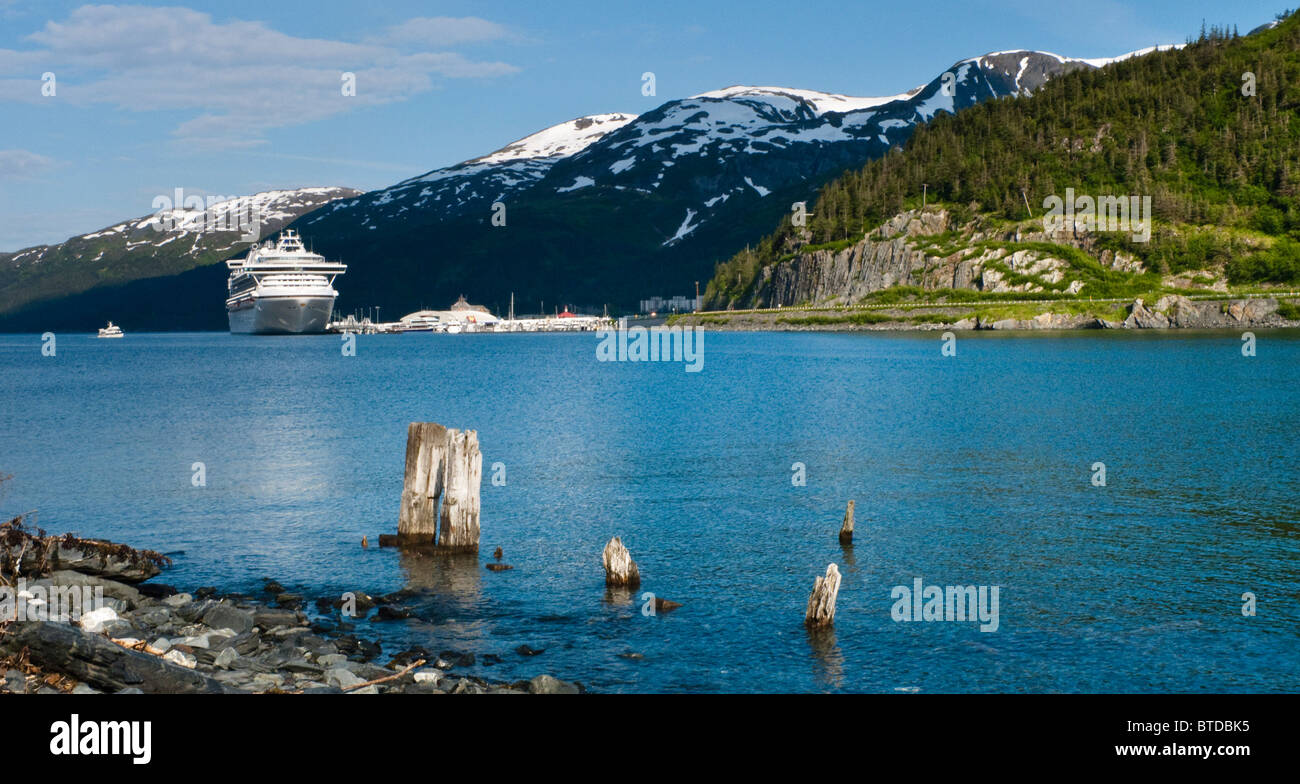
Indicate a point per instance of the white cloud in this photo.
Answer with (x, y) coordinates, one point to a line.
(446, 31)
(23, 165)
(241, 79)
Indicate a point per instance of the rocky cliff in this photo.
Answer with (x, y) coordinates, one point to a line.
(928, 250)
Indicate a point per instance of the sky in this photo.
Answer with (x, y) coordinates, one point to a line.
(239, 97)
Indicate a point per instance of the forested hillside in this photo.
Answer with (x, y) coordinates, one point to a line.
(1209, 131)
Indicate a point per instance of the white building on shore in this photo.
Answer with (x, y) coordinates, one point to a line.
(673, 304)
(461, 317)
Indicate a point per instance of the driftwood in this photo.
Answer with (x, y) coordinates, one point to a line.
(26, 552)
(821, 603)
(386, 678)
(620, 569)
(442, 465)
(846, 530)
(96, 660)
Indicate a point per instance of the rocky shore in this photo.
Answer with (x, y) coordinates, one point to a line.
(148, 637)
(1168, 312)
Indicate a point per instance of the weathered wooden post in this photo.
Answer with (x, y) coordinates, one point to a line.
(821, 604)
(620, 569)
(441, 464)
(846, 530)
(463, 475)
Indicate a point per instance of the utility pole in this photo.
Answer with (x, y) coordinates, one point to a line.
(697, 297)
(925, 187)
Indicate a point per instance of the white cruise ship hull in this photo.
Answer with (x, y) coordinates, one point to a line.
(286, 315)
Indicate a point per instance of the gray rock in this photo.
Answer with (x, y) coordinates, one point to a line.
(1142, 318)
(464, 686)
(177, 656)
(111, 588)
(226, 658)
(96, 620)
(545, 684)
(269, 618)
(342, 678)
(267, 680)
(245, 644)
(226, 616)
(178, 600)
(82, 688)
(153, 617)
(302, 667)
(194, 611)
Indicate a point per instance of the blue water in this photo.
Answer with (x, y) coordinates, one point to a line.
(971, 470)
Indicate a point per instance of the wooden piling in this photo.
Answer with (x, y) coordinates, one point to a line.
(464, 472)
(442, 465)
(620, 569)
(821, 603)
(846, 530)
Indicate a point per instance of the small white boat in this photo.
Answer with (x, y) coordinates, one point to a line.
(111, 331)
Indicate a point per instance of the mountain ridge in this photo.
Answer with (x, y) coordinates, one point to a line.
(666, 192)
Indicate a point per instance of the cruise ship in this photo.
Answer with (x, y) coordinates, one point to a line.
(281, 288)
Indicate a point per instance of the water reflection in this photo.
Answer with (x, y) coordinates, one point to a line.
(444, 592)
(619, 597)
(450, 576)
(828, 661)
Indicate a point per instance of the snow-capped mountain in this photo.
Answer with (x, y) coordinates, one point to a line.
(495, 176)
(655, 198)
(166, 242)
(603, 209)
(726, 124)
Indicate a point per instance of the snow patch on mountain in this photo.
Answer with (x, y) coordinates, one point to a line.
(686, 228)
(821, 102)
(578, 182)
(566, 138)
(229, 218)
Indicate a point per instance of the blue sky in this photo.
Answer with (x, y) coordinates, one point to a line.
(238, 97)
